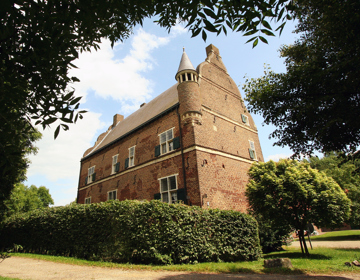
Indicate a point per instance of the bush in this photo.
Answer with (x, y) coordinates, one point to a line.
(136, 232)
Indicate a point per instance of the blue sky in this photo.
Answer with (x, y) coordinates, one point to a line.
(118, 80)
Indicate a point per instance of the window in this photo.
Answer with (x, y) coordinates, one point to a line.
(112, 195)
(91, 175)
(88, 200)
(115, 164)
(166, 141)
(245, 119)
(132, 156)
(168, 189)
(252, 150)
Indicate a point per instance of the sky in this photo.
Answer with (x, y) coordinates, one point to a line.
(117, 80)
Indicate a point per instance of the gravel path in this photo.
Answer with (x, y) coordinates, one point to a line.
(25, 268)
(330, 244)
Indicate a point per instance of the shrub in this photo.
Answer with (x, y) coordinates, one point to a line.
(136, 232)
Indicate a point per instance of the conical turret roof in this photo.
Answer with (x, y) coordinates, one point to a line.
(185, 63)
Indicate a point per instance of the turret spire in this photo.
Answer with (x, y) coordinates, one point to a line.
(185, 63)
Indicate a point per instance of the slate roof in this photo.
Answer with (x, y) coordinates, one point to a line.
(185, 63)
(146, 113)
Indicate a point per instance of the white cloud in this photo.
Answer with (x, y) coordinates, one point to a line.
(99, 69)
(59, 159)
(277, 157)
(178, 30)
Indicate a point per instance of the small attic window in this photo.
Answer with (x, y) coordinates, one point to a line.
(183, 77)
(189, 77)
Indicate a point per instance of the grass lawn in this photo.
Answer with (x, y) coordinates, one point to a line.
(338, 236)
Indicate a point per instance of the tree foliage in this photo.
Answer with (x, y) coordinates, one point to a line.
(24, 199)
(344, 170)
(315, 104)
(292, 193)
(16, 142)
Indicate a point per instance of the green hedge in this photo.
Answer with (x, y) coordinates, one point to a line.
(136, 232)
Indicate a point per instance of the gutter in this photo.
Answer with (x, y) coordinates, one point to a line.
(182, 155)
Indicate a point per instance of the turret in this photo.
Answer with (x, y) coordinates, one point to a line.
(189, 92)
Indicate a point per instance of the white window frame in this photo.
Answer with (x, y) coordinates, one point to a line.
(252, 147)
(91, 171)
(166, 191)
(132, 156)
(87, 200)
(114, 162)
(166, 143)
(112, 195)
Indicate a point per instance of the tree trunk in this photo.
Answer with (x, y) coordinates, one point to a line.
(302, 239)
(301, 244)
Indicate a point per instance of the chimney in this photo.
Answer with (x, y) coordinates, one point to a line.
(117, 118)
(211, 48)
(142, 105)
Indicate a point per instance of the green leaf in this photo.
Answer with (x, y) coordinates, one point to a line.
(49, 121)
(251, 32)
(76, 100)
(57, 132)
(210, 13)
(255, 42)
(267, 32)
(204, 36)
(263, 39)
(210, 27)
(266, 24)
(196, 32)
(74, 79)
(253, 38)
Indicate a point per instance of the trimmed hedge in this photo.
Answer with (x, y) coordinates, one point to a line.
(136, 232)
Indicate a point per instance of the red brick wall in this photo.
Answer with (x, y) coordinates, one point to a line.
(223, 181)
(141, 181)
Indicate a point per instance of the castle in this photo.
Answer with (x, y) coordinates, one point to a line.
(192, 143)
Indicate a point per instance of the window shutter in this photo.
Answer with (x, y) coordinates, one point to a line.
(252, 154)
(117, 167)
(86, 180)
(126, 163)
(157, 150)
(243, 117)
(181, 195)
(157, 196)
(93, 176)
(176, 143)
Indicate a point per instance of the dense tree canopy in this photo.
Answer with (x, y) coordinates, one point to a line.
(16, 142)
(344, 170)
(315, 104)
(40, 39)
(292, 193)
(25, 199)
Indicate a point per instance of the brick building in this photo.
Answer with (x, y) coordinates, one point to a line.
(194, 142)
